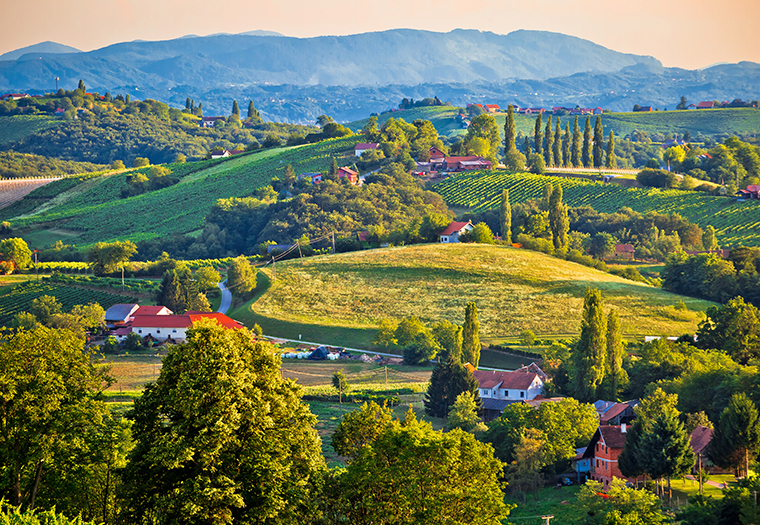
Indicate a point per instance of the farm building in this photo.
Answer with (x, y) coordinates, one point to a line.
(499, 389)
(624, 251)
(364, 146)
(353, 177)
(454, 230)
(603, 451)
(174, 327)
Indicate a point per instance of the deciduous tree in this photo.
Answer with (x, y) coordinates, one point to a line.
(471, 336)
(610, 158)
(241, 277)
(107, 257)
(736, 438)
(576, 155)
(223, 438)
(549, 143)
(505, 217)
(558, 221)
(598, 142)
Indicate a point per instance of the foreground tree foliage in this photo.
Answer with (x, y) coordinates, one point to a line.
(50, 412)
(622, 506)
(221, 438)
(736, 439)
(14, 515)
(411, 473)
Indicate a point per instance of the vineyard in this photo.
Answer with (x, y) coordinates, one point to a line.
(17, 127)
(20, 298)
(14, 190)
(736, 223)
(101, 215)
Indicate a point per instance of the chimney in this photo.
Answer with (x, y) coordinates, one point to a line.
(622, 428)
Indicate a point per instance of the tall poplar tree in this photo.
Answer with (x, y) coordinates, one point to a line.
(588, 357)
(611, 162)
(506, 217)
(509, 131)
(538, 136)
(665, 449)
(557, 151)
(575, 154)
(566, 141)
(598, 142)
(235, 108)
(471, 336)
(546, 199)
(558, 221)
(586, 154)
(615, 353)
(548, 142)
(526, 147)
(449, 379)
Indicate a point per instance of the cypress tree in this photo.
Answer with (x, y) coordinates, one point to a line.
(566, 146)
(471, 336)
(611, 162)
(575, 154)
(251, 109)
(598, 142)
(586, 154)
(549, 142)
(235, 108)
(558, 221)
(449, 379)
(187, 103)
(506, 217)
(192, 104)
(200, 109)
(81, 86)
(557, 151)
(588, 357)
(333, 167)
(526, 147)
(546, 199)
(127, 99)
(538, 138)
(509, 131)
(615, 352)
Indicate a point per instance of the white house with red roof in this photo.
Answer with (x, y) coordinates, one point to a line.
(497, 390)
(454, 230)
(163, 327)
(364, 146)
(707, 104)
(491, 108)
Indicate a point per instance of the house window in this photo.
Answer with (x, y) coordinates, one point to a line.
(139, 331)
(174, 331)
(158, 331)
(494, 393)
(522, 393)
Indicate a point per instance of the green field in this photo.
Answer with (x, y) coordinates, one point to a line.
(19, 298)
(736, 223)
(17, 127)
(442, 118)
(514, 289)
(96, 212)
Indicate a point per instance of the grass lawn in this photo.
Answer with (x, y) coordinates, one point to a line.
(340, 299)
(358, 374)
(684, 489)
(557, 502)
(132, 372)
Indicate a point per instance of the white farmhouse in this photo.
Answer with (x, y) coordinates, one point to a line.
(454, 230)
(163, 327)
(497, 390)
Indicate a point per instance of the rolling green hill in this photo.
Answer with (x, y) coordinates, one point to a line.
(736, 223)
(710, 122)
(514, 289)
(95, 212)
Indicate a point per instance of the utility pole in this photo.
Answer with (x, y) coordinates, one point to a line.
(36, 266)
(122, 276)
(333, 241)
(274, 270)
(299, 251)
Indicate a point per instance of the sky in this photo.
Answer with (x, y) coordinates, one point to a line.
(680, 33)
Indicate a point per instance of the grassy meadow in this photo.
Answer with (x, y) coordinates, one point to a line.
(16, 127)
(514, 289)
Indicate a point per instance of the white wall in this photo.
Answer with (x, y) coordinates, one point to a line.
(162, 334)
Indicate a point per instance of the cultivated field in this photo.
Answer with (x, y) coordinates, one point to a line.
(514, 289)
(736, 223)
(17, 127)
(15, 190)
(95, 210)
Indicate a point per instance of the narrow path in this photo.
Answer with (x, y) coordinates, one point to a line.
(226, 298)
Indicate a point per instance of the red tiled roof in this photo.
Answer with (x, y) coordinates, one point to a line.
(454, 227)
(700, 438)
(152, 310)
(182, 321)
(706, 104)
(492, 106)
(614, 410)
(509, 380)
(367, 145)
(612, 436)
(753, 188)
(624, 248)
(347, 171)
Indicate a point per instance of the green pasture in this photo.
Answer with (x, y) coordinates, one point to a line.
(514, 289)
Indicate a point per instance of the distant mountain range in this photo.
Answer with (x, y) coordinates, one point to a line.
(348, 77)
(41, 48)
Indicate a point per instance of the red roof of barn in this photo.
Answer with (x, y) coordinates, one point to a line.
(700, 438)
(624, 248)
(454, 227)
(510, 380)
(182, 321)
(706, 104)
(151, 310)
(348, 171)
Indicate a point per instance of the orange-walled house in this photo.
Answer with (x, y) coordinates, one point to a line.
(604, 449)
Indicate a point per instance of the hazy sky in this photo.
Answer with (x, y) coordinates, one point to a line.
(682, 33)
